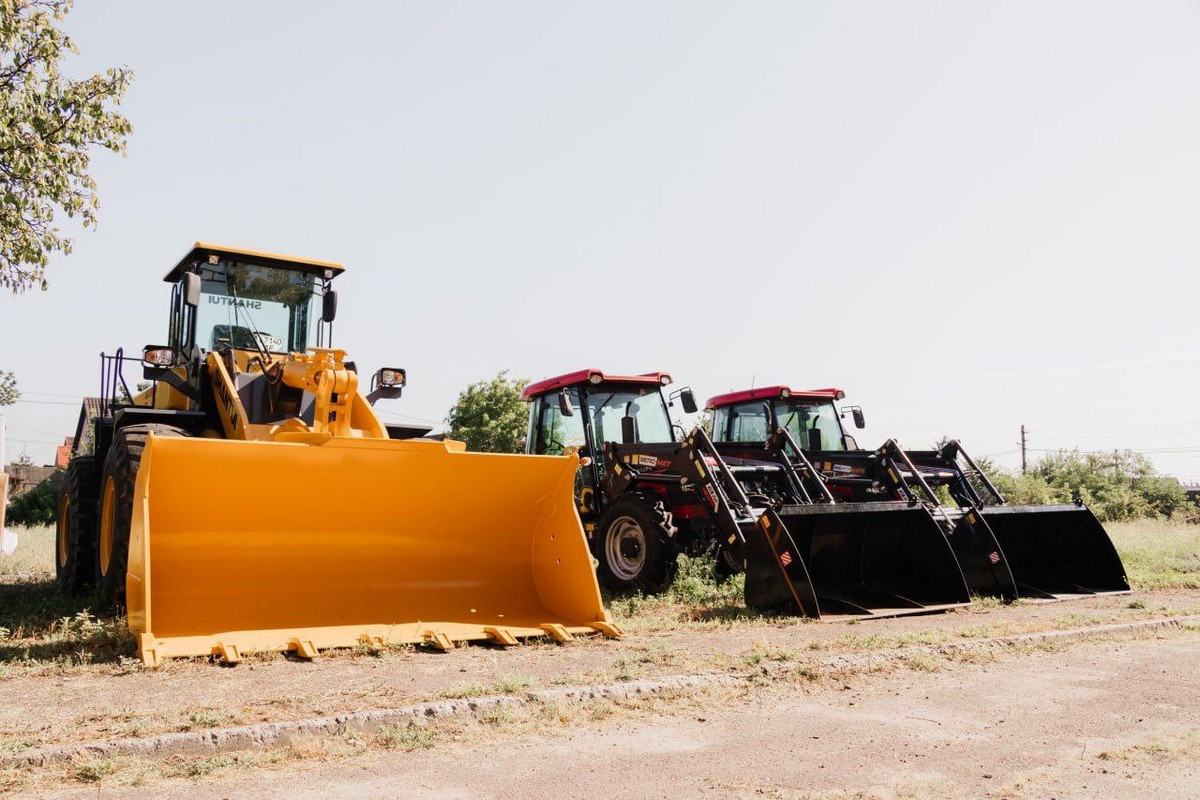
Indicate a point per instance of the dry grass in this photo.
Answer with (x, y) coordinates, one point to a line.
(1159, 554)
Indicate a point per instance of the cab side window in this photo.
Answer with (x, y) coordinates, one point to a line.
(555, 432)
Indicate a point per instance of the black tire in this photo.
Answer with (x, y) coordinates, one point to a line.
(634, 547)
(75, 543)
(729, 561)
(116, 510)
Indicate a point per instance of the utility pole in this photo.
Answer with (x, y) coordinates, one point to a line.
(1023, 465)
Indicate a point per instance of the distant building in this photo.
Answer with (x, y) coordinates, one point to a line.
(62, 455)
(88, 411)
(23, 477)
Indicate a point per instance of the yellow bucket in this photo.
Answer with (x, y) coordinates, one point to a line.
(238, 546)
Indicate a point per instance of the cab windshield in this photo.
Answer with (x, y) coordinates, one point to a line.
(804, 417)
(644, 403)
(251, 307)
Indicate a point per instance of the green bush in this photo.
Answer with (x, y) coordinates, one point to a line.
(1116, 487)
(38, 506)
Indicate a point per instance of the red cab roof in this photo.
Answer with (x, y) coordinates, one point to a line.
(770, 393)
(589, 376)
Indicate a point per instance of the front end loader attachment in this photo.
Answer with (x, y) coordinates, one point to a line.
(239, 546)
(1056, 552)
(878, 559)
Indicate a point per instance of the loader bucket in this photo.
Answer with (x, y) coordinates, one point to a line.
(239, 546)
(1057, 551)
(865, 560)
(981, 558)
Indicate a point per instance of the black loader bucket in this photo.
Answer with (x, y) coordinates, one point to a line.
(981, 557)
(866, 560)
(1057, 551)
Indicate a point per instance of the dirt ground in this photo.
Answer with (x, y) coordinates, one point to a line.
(111, 700)
(1096, 719)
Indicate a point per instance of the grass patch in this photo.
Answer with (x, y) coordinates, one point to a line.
(1158, 554)
(696, 599)
(40, 626)
(508, 683)
(410, 737)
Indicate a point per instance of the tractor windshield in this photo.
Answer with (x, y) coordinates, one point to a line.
(644, 403)
(244, 303)
(814, 424)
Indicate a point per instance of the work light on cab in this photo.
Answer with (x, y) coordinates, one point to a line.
(157, 356)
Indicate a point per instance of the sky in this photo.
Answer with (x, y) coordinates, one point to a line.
(969, 216)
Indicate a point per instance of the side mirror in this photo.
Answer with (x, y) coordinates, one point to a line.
(329, 306)
(860, 421)
(688, 401)
(814, 439)
(191, 289)
(564, 404)
(628, 432)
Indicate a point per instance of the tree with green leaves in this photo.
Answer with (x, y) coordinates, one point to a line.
(9, 393)
(490, 416)
(49, 125)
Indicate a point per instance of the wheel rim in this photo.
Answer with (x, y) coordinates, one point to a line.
(64, 525)
(625, 548)
(108, 517)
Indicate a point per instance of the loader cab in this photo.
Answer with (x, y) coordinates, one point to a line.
(812, 418)
(580, 412)
(231, 299)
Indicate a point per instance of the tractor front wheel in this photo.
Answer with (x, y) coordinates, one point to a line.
(116, 509)
(633, 545)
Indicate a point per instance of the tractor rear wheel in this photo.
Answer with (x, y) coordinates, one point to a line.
(633, 545)
(75, 543)
(116, 509)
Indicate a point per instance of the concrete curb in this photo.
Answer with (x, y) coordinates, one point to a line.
(269, 734)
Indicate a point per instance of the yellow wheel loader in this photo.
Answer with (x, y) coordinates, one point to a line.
(249, 498)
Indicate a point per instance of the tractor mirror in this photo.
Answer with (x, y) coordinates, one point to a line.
(860, 421)
(628, 432)
(329, 306)
(191, 289)
(688, 401)
(814, 439)
(564, 404)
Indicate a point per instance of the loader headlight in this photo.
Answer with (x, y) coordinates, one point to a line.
(664, 380)
(785, 392)
(157, 356)
(390, 378)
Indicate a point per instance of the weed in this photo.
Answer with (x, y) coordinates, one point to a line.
(409, 737)
(93, 770)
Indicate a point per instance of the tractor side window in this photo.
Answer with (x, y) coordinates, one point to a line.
(719, 429)
(555, 432)
(748, 423)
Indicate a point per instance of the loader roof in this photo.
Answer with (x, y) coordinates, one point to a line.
(590, 376)
(770, 393)
(202, 250)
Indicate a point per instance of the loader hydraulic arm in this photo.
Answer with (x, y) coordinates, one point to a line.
(324, 374)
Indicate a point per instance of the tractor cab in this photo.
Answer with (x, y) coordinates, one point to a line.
(812, 418)
(227, 298)
(583, 412)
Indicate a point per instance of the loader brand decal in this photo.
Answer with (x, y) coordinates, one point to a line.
(709, 495)
(221, 388)
(844, 468)
(240, 302)
(650, 462)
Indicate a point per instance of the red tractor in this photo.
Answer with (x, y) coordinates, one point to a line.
(647, 491)
(1004, 550)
